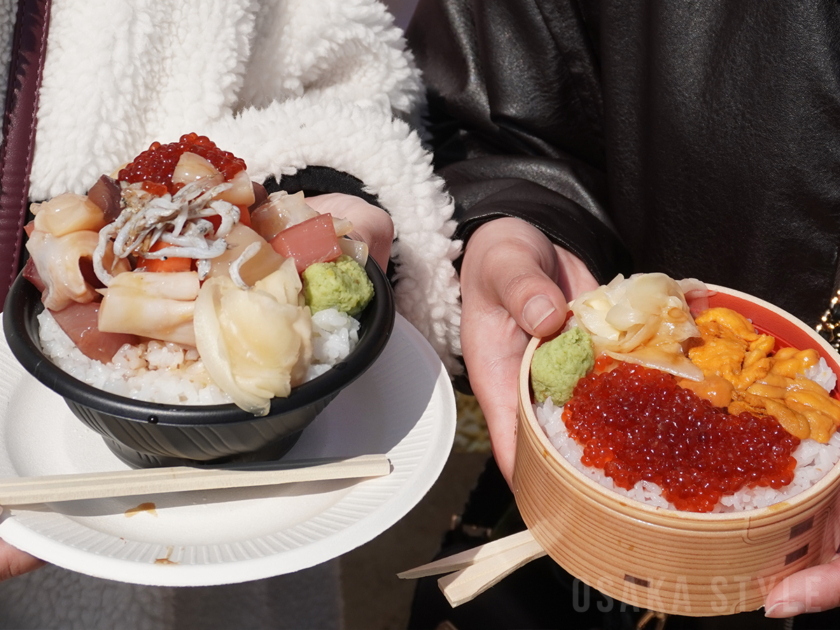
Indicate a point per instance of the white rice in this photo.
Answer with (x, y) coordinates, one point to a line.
(334, 335)
(171, 374)
(822, 375)
(813, 461)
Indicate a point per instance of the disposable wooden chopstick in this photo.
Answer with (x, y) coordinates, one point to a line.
(27, 490)
(464, 559)
(466, 584)
(476, 570)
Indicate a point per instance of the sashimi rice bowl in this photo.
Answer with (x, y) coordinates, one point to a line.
(188, 314)
(677, 444)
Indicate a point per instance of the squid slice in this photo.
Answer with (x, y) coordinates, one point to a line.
(670, 360)
(157, 318)
(264, 262)
(279, 211)
(156, 305)
(192, 167)
(182, 285)
(282, 210)
(357, 250)
(643, 319)
(241, 192)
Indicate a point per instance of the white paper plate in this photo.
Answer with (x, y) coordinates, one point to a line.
(403, 406)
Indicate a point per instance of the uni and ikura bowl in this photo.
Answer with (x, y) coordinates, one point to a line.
(146, 434)
(666, 560)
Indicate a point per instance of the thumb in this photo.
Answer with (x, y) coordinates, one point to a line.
(522, 279)
(811, 590)
(14, 562)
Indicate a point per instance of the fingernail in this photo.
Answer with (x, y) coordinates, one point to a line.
(785, 609)
(537, 310)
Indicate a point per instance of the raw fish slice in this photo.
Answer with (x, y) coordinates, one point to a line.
(79, 321)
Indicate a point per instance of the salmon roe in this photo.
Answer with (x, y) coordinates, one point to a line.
(636, 424)
(156, 165)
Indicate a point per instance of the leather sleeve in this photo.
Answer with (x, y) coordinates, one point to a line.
(515, 116)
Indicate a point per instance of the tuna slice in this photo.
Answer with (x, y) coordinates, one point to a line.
(79, 321)
(30, 272)
(309, 242)
(105, 193)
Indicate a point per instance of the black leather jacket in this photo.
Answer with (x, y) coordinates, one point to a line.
(702, 138)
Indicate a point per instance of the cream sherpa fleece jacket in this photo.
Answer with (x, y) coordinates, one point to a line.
(284, 84)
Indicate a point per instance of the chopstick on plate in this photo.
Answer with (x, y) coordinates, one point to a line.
(476, 570)
(123, 483)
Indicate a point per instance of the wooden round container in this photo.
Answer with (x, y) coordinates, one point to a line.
(665, 560)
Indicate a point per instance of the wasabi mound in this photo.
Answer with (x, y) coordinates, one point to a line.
(342, 285)
(559, 364)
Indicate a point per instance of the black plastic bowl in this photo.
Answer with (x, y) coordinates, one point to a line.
(148, 434)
